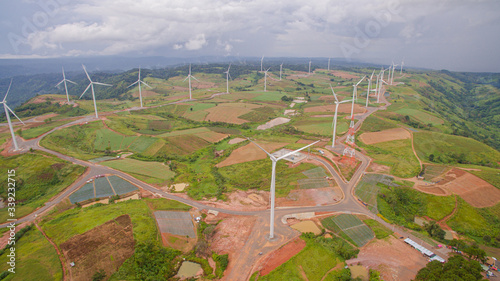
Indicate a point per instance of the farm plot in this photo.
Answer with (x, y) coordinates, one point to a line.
(315, 173)
(185, 132)
(386, 135)
(367, 189)
(433, 171)
(102, 187)
(249, 152)
(229, 112)
(151, 172)
(321, 126)
(421, 116)
(359, 232)
(176, 223)
(316, 179)
(141, 143)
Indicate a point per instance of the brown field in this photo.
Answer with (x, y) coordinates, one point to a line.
(145, 93)
(250, 152)
(188, 143)
(343, 108)
(311, 197)
(474, 190)
(212, 137)
(282, 255)
(386, 135)
(236, 140)
(178, 242)
(229, 112)
(392, 257)
(104, 247)
(343, 74)
(307, 226)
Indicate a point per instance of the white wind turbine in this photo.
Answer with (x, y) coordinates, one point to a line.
(401, 70)
(189, 77)
(64, 81)
(273, 179)
(281, 69)
(261, 63)
(369, 86)
(328, 64)
(91, 85)
(309, 67)
(381, 84)
(335, 116)
(227, 78)
(265, 79)
(392, 76)
(7, 109)
(355, 94)
(138, 82)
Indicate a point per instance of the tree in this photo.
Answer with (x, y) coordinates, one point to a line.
(99, 275)
(457, 268)
(434, 230)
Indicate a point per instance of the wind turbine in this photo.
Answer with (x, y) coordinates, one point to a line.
(91, 85)
(273, 179)
(7, 109)
(265, 79)
(189, 77)
(309, 67)
(281, 69)
(328, 64)
(381, 84)
(64, 81)
(355, 94)
(227, 78)
(335, 116)
(392, 76)
(261, 63)
(138, 82)
(369, 86)
(402, 63)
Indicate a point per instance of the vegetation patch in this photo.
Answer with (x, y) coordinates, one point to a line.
(151, 172)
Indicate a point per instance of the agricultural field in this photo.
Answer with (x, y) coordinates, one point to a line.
(39, 177)
(435, 148)
(102, 187)
(43, 128)
(150, 172)
(433, 171)
(352, 227)
(421, 116)
(368, 188)
(374, 123)
(36, 259)
(321, 126)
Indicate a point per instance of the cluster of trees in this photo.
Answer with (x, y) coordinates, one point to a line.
(434, 230)
(457, 268)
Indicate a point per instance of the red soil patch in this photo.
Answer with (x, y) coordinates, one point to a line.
(392, 257)
(474, 190)
(343, 108)
(212, 137)
(282, 255)
(343, 74)
(378, 168)
(43, 117)
(249, 152)
(104, 247)
(385, 135)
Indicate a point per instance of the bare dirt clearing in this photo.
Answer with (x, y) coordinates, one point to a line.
(104, 247)
(274, 122)
(250, 152)
(236, 140)
(385, 135)
(392, 257)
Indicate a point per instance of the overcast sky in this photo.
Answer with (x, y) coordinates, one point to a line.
(454, 34)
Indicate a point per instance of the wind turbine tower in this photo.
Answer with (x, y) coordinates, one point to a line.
(281, 69)
(401, 70)
(64, 81)
(138, 82)
(7, 109)
(369, 86)
(261, 63)
(91, 85)
(189, 77)
(392, 76)
(328, 64)
(309, 67)
(349, 150)
(227, 78)
(273, 180)
(335, 116)
(265, 79)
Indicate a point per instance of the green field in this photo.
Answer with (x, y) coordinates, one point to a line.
(162, 204)
(397, 154)
(150, 172)
(321, 126)
(38, 178)
(185, 132)
(78, 220)
(354, 228)
(378, 229)
(475, 223)
(367, 189)
(421, 116)
(314, 259)
(36, 259)
(42, 129)
(108, 139)
(433, 171)
(453, 149)
(375, 124)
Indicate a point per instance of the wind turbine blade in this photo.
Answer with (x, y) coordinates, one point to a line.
(344, 101)
(195, 78)
(229, 68)
(86, 72)
(71, 82)
(186, 78)
(334, 95)
(361, 80)
(14, 114)
(98, 83)
(269, 154)
(295, 151)
(146, 84)
(59, 83)
(133, 84)
(85, 90)
(7, 91)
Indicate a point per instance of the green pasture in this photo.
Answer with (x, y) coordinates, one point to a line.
(42, 129)
(321, 126)
(150, 172)
(421, 116)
